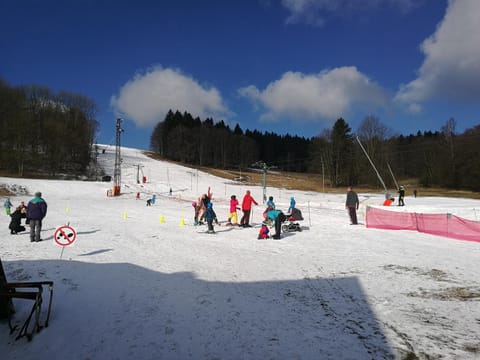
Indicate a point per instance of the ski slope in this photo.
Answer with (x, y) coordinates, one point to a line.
(144, 283)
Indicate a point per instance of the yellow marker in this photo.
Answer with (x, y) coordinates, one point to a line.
(162, 219)
(125, 214)
(182, 222)
(67, 210)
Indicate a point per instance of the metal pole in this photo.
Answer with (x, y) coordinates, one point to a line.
(391, 172)
(117, 170)
(264, 182)
(371, 162)
(323, 177)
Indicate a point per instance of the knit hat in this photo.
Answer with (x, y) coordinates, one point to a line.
(38, 194)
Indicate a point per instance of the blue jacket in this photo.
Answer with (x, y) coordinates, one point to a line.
(36, 209)
(273, 214)
(270, 204)
(210, 214)
(292, 204)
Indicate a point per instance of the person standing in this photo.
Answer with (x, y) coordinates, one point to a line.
(401, 195)
(292, 205)
(196, 213)
(203, 201)
(352, 205)
(210, 216)
(7, 205)
(247, 208)
(36, 211)
(232, 216)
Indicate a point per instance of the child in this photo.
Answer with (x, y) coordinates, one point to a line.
(7, 205)
(292, 204)
(263, 234)
(270, 206)
(210, 216)
(196, 209)
(232, 217)
(203, 201)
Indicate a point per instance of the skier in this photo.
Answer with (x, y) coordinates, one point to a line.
(232, 217)
(210, 216)
(196, 209)
(263, 233)
(203, 202)
(401, 195)
(246, 208)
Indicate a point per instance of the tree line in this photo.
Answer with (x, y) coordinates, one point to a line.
(186, 139)
(45, 133)
(442, 158)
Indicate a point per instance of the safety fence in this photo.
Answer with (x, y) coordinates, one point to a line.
(447, 225)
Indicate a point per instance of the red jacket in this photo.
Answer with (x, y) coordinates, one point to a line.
(247, 201)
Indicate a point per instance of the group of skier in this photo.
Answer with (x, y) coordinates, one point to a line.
(203, 212)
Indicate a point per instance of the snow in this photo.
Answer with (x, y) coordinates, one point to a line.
(134, 287)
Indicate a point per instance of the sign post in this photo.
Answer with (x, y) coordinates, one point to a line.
(64, 236)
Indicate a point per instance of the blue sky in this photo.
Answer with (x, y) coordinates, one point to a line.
(285, 66)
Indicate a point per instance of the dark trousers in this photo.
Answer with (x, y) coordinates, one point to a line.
(245, 220)
(210, 225)
(278, 225)
(352, 211)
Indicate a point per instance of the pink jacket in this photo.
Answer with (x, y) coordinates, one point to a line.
(233, 205)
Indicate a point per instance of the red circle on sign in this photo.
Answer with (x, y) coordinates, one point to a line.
(65, 235)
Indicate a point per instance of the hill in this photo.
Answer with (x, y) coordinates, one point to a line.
(318, 183)
(142, 282)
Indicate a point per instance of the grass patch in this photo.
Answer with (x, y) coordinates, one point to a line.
(315, 182)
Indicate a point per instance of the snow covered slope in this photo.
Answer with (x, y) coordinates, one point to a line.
(144, 283)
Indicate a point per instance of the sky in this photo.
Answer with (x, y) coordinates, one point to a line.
(144, 283)
(286, 66)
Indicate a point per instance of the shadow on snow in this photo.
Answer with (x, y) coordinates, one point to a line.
(127, 311)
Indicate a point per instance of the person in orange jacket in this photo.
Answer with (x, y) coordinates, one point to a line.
(388, 202)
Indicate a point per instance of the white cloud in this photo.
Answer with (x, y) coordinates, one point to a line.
(327, 95)
(451, 69)
(314, 12)
(147, 97)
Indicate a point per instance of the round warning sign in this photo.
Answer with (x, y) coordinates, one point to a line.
(64, 235)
